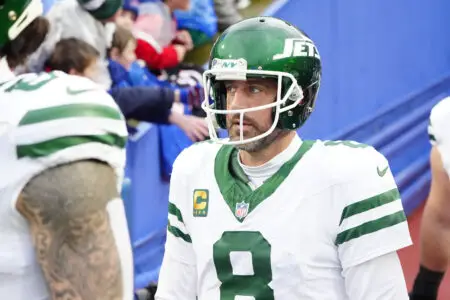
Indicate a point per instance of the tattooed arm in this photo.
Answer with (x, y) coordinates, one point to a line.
(70, 210)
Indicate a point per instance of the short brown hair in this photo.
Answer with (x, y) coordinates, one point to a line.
(18, 50)
(72, 54)
(121, 38)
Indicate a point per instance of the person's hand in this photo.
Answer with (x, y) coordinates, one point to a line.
(191, 96)
(195, 128)
(184, 37)
(181, 52)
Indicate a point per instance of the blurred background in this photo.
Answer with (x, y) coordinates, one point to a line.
(385, 64)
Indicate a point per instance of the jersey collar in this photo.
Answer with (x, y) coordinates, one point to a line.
(232, 180)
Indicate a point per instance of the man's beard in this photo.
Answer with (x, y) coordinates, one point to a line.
(259, 144)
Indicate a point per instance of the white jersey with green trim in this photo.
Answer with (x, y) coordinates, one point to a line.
(438, 130)
(46, 120)
(332, 207)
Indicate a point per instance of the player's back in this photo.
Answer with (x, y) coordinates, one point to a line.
(294, 236)
(46, 120)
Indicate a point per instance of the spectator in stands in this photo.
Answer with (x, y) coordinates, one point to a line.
(164, 62)
(74, 57)
(227, 13)
(156, 19)
(128, 15)
(126, 71)
(151, 104)
(160, 42)
(155, 30)
(90, 21)
(200, 21)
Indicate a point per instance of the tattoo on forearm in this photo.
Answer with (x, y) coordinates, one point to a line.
(66, 209)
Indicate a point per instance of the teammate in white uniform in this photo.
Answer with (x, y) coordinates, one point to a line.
(435, 226)
(63, 230)
(264, 215)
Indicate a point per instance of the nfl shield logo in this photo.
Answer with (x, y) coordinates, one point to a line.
(241, 210)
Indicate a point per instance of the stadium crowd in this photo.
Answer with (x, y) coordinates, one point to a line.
(136, 50)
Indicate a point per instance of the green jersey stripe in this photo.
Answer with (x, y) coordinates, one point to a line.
(49, 147)
(178, 233)
(173, 210)
(69, 111)
(432, 138)
(370, 227)
(369, 203)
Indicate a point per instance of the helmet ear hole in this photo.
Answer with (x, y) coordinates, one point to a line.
(295, 94)
(219, 96)
(286, 83)
(310, 95)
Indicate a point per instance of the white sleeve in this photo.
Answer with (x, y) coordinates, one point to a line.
(438, 130)
(379, 278)
(88, 125)
(372, 221)
(178, 275)
(73, 120)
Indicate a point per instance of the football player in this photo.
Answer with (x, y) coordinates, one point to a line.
(63, 230)
(264, 214)
(435, 226)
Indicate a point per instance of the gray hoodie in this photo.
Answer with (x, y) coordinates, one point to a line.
(68, 19)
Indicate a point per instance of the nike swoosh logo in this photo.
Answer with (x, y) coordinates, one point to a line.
(73, 92)
(381, 173)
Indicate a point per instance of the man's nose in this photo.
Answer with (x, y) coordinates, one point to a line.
(239, 99)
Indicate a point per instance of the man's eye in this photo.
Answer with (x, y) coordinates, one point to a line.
(254, 89)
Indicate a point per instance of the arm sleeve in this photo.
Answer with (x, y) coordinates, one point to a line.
(148, 104)
(438, 131)
(178, 275)
(379, 278)
(67, 128)
(372, 221)
(167, 58)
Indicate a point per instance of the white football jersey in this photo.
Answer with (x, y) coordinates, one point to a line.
(332, 206)
(438, 130)
(45, 120)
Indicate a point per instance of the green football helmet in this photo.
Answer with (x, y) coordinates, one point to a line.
(263, 47)
(15, 16)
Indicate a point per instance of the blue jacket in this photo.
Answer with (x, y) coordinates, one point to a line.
(136, 76)
(145, 100)
(141, 76)
(201, 17)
